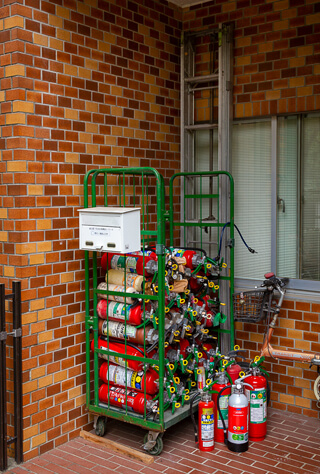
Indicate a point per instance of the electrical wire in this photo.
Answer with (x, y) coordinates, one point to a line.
(241, 236)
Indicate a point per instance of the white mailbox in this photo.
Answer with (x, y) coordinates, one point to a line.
(110, 229)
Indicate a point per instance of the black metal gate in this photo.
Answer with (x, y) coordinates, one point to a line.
(11, 328)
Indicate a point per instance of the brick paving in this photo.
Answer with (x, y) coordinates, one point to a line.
(291, 447)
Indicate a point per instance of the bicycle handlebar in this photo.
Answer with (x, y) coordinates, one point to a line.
(272, 281)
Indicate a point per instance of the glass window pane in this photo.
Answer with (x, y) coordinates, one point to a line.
(251, 170)
(287, 198)
(310, 199)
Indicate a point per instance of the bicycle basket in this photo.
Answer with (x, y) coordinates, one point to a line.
(248, 306)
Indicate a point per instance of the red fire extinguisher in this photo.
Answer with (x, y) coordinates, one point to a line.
(193, 259)
(121, 398)
(234, 370)
(138, 262)
(120, 348)
(133, 314)
(206, 422)
(130, 333)
(122, 377)
(236, 435)
(257, 398)
(221, 382)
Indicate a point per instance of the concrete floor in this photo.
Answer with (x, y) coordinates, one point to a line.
(292, 446)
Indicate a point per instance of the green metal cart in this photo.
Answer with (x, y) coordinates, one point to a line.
(144, 188)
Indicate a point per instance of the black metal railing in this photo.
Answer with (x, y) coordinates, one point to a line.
(16, 334)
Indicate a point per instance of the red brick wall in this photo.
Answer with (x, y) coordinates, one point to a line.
(276, 52)
(90, 84)
(276, 70)
(83, 85)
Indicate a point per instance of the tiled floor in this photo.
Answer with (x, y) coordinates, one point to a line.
(292, 446)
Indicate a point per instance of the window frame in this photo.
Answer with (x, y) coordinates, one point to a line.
(295, 284)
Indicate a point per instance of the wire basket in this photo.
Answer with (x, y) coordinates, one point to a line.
(248, 306)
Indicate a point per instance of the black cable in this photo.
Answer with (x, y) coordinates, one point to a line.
(241, 236)
(195, 426)
(117, 341)
(220, 414)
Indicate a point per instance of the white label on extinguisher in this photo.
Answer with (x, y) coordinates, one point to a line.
(131, 264)
(258, 405)
(118, 330)
(117, 262)
(207, 427)
(223, 403)
(131, 279)
(118, 310)
(120, 376)
(238, 425)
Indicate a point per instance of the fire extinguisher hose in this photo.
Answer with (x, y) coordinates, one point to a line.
(220, 413)
(192, 400)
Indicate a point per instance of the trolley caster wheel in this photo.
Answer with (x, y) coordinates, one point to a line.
(101, 426)
(157, 448)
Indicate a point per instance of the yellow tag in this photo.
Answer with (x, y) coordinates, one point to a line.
(216, 287)
(224, 265)
(200, 355)
(242, 374)
(194, 313)
(209, 265)
(208, 381)
(193, 384)
(211, 284)
(177, 380)
(195, 300)
(184, 362)
(186, 397)
(172, 389)
(236, 347)
(167, 309)
(224, 362)
(171, 287)
(177, 405)
(256, 359)
(187, 292)
(182, 300)
(171, 366)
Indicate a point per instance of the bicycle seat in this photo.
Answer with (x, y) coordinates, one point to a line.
(269, 275)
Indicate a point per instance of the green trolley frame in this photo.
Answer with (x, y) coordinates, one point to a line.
(139, 187)
(201, 195)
